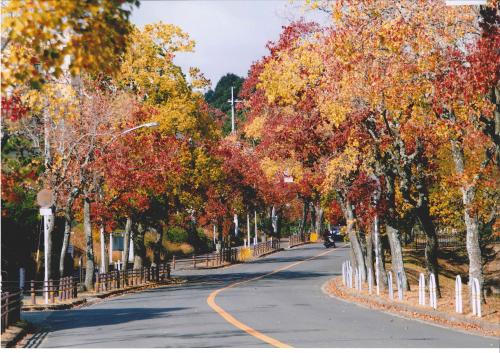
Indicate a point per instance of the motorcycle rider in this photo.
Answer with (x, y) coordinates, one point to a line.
(328, 238)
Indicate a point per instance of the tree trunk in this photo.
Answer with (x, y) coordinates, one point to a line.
(220, 229)
(397, 253)
(354, 238)
(126, 242)
(68, 219)
(64, 249)
(471, 220)
(87, 228)
(278, 222)
(422, 211)
(319, 219)
(158, 244)
(379, 254)
(392, 229)
(313, 217)
(274, 222)
(305, 211)
(139, 249)
(431, 246)
(369, 253)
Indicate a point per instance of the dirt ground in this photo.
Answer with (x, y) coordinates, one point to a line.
(452, 262)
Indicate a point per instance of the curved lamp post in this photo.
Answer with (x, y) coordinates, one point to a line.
(124, 132)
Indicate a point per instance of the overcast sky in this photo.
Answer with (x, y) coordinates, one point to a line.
(229, 34)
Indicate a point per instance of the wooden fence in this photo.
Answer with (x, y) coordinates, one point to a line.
(11, 307)
(297, 239)
(445, 241)
(62, 289)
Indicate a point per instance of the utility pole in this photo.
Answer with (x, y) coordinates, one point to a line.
(248, 229)
(232, 101)
(256, 239)
(233, 130)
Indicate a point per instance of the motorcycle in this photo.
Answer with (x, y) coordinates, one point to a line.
(329, 242)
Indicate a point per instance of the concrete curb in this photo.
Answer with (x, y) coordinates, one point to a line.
(406, 310)
(59, 306)
(13, 334)
(266, 254)
(293, 246)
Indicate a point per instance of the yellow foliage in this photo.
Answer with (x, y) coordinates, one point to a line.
(273, 168)
(283, 79)
(341, 167)
(245, 254)
(254, 128)
(57, 34)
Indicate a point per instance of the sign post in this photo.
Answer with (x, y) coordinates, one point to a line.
(45, 200)
(22, 276)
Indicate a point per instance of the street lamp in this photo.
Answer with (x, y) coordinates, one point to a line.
(124, 132)
(151, 124)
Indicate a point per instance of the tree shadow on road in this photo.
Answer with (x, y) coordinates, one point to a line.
(96, 317)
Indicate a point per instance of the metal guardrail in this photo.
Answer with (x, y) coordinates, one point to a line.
(11, 308)
(122, 279)
(224, 257)
(297, 239)
(267, 247)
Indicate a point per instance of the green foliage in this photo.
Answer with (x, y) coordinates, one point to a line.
(218, 98)
(20, 219)
(177, 235)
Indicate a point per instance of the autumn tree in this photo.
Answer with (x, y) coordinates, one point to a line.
(40, 38)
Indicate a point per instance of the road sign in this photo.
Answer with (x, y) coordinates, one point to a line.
(45, 198)
(118, 244)
(45, 211)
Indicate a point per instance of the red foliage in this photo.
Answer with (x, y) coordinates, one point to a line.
(13, 109)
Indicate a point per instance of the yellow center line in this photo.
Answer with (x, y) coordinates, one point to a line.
(235, 322)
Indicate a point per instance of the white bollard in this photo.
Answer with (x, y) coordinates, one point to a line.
(360, 282)
(356, 284)
(458, 294)
(476, 297)
(421, 289)
(344, 281)
(346, 274)
(389, 285)
(399, 279)
(432, 291)
(377, 278)
(348, 284)
(349, 271)
(370, 281)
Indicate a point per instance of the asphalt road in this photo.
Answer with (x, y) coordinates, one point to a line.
(285, 305)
